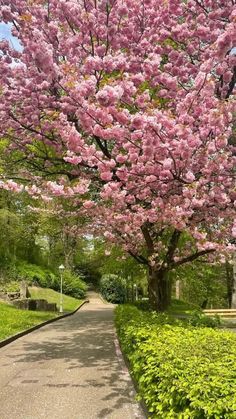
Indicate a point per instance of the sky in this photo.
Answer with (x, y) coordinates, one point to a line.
(5, 33)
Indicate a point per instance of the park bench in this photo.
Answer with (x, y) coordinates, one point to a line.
(222, 312)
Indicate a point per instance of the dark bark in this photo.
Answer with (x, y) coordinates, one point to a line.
(159, 289)
(230, 282)
(192, 257)
(204, 304)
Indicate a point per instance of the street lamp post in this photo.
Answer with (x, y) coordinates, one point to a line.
(61, 269)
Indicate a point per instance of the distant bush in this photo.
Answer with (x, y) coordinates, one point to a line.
(182, 371)
(36, 275)
(143, 305)
(88, 273)
(112, 288)
(45, 278)
(73, 285)
(198, 319)
(11, 286)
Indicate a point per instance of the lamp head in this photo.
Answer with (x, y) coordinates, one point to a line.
(61, 268)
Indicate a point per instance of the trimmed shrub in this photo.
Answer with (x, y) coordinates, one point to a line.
(182, 372)
(73, 285)
(112, 288)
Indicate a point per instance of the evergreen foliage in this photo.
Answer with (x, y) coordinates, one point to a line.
(112, 288)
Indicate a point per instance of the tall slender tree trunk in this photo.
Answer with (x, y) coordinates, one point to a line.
(159, 289)
(231, 283)
(233, 305)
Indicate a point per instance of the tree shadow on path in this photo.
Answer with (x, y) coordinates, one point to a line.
(82, 345)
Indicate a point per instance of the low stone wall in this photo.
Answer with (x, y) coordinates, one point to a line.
(3, 296)
(25, 304)
(38, 305)
(9, 296)
(15, 295)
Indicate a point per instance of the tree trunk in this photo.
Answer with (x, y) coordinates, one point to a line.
(230, 283)
(233, 305)
(159, 289)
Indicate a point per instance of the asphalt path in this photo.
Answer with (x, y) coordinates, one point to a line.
(70, 369)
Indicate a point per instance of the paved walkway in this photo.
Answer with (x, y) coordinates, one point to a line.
(70, 369)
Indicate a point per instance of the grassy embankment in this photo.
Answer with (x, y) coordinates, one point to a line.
(13, 320)
(69, 303)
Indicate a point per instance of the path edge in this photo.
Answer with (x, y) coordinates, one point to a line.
(122, 356)
(38, 326)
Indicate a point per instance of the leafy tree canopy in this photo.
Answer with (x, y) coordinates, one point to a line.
(127, 109)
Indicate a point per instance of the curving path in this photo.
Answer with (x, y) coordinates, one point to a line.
(70, 369)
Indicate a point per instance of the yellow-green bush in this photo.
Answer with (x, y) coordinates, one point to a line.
(182, 372)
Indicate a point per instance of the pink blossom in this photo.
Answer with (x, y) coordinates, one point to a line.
(73, 159)
(189, 176)
(109, 95)
(132, 130)
(234, 229)
(121, 158)
(88, 204)
(106, 176)
(167, 164)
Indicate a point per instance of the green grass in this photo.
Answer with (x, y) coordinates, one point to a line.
(69, 303)
(176, 308)
(13, 320)
(182, 307)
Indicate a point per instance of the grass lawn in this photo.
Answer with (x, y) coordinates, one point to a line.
(13, 320)
(179, 307)
(69, 303)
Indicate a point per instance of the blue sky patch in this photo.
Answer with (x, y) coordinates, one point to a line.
(5, 33)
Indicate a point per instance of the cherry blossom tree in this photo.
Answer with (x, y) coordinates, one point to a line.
(126, 107)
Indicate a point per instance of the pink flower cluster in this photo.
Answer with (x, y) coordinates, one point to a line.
(130, 110)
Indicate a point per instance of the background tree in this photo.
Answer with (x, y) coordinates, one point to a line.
(126, 108)
(19, 228)
(203, 284)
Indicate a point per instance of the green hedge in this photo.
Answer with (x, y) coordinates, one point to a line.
(112, 288)
(182, 372)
